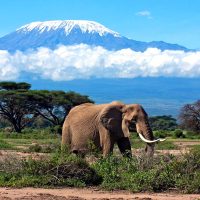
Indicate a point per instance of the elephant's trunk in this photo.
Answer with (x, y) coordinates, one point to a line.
(145, 132)
(143, 127)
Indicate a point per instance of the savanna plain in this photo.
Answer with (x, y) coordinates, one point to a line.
(32, 166)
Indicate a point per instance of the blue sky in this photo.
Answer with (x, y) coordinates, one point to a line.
(174, 21)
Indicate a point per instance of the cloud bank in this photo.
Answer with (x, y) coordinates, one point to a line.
(83, 62)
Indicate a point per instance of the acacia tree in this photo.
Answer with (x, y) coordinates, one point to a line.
(55, 105)
(14, 86)
(164, 122)
(17, 108)
(190, 116)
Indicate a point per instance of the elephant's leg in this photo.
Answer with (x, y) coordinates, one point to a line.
(108, 147)
(107, 141)
(124, 146)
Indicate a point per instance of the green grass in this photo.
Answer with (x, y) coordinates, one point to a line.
(195, 148)
(5, 145)
(28, 139)
(30, 134)
(137, 144)
(166, 145)
(31, 145)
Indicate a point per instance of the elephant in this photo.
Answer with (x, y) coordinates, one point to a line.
(105, 125)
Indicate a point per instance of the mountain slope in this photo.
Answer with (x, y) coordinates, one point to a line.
(69, 32)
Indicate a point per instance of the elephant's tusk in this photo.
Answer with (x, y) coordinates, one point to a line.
(162, 140)
(150, 141)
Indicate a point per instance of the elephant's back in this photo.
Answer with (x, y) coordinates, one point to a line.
(85, 110)
(84, 119)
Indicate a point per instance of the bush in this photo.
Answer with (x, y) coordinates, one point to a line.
(55, 171)
(162, 133)
(35, 148)
(56, 129)
(178, 133)
(158, 174)
(49, 148)
(192, 135)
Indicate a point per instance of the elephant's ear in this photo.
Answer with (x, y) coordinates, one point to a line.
(111, 116)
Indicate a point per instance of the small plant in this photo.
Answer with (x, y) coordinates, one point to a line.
(178, 133)
(35, 148)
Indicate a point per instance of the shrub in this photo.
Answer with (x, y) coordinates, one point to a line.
(162, 133)
(158, 174)
(192, 135)
(178, 133)
(49, 148)
(56, 129)
(35, 148)
(68, 171)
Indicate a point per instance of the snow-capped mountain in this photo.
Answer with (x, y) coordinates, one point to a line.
(68, 26)
(69, 32)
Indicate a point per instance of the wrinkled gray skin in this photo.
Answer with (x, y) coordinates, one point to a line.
(105, 125)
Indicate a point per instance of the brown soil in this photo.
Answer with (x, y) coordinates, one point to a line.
(90, 193)
(7, 153)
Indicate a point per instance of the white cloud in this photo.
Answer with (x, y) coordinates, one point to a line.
(83, 61)
(8, 69)
(144, 13)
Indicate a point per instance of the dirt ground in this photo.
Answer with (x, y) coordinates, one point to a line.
(88, 194)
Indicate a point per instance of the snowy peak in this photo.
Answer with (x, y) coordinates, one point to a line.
(51, 34)
(68, 25)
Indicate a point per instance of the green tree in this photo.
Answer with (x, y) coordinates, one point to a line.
(165, 122)
(55, 105)
(17, 108)
(14, 86)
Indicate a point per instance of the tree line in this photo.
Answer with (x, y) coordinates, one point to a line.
(21, 106)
